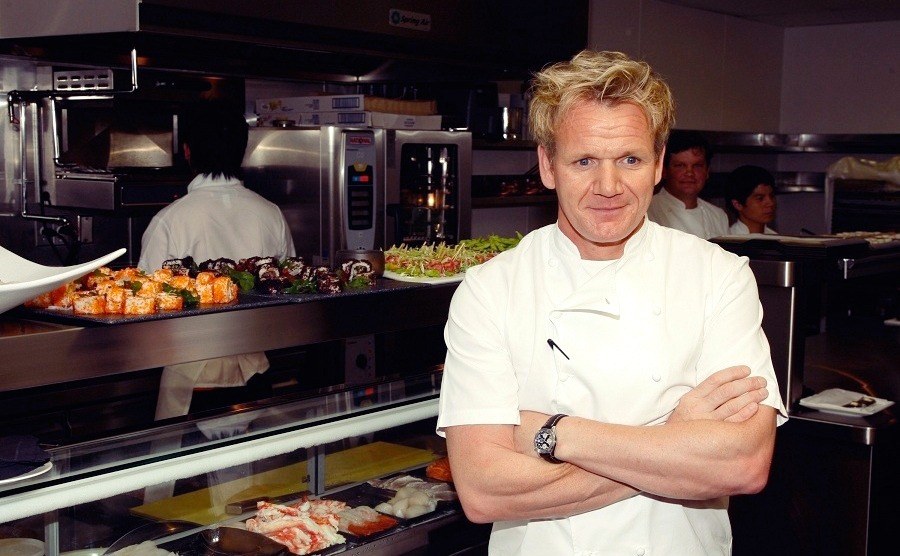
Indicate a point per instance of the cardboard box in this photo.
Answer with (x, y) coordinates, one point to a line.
(318, 103)
(345, 103)
(355, 118)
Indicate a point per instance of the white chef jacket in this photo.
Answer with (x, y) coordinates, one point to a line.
(217, 218)
(741, 229)
(705, 221)
(639, 334)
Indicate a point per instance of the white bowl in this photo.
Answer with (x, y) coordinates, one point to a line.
(22, 280)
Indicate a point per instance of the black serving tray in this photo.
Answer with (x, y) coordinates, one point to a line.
(249, 300)
(66, 316)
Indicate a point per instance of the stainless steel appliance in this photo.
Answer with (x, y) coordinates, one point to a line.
(348, 188)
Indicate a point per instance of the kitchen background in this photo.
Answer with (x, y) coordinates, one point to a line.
(814, 69)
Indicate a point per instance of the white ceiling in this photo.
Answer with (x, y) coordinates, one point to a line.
(801, 13)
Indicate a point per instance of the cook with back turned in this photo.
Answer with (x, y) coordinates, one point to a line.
(607, 384)
(218, 218)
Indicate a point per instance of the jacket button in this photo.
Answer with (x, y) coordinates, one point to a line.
(640, 552)
(656, 310)
(656, 377)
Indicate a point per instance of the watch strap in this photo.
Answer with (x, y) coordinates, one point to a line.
(550, 424)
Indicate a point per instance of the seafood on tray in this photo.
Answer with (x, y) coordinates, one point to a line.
(131, 291)
(409, 502)
(305, 527)
(182, 284)
(441, 491)
(439, 470)
(290, 275)
(363, 521)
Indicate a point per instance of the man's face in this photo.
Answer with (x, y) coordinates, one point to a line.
(686, 174)
(603, 171)
(759, 207)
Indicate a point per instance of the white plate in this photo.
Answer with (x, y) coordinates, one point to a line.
(22, 280)
(21, 547)
(833, 400)
(84, 552)
(31, 474)
(424, 279)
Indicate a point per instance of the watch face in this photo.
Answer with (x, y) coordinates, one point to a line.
(545, 441)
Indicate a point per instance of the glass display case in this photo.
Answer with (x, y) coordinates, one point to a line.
(184, 477)
(178, 481)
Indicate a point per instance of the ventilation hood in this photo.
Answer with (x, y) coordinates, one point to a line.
(359, 41)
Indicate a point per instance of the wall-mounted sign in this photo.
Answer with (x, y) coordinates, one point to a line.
(409, 20)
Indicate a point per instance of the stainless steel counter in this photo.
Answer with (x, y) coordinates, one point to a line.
(40, 354)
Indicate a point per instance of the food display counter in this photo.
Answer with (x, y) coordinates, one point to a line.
(174, 480)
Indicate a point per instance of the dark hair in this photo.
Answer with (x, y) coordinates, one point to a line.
(742, 181)
(681, 140)
(216, 133)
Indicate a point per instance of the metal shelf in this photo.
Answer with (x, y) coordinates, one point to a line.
(54, 355)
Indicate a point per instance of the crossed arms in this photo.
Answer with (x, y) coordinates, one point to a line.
(717, 442)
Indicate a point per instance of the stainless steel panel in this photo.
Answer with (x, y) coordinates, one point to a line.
(778, 283)
(282, 165)
(89, 194)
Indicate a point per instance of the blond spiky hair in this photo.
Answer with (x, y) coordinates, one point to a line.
(607, 77)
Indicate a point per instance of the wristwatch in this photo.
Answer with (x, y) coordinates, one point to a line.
(545, 439)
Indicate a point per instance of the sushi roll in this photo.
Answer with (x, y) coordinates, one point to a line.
(40, 302)
(268, 271)
(89, 304)
(169, 302)
(329, 283)
(162, 275)
(148, 288)
(205, 292)
(103, 273)
(115, 299)
(183, 283)
(221, 265)
(180, 267)
(129, 274)
(292, 267)
(136, 305)
(224, 290)
(63, 296)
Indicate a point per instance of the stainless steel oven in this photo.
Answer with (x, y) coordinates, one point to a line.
(347, 187)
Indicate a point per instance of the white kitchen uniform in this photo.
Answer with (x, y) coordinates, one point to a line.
(705, 221)
(741, 229)
(217, 218)
(639, 333)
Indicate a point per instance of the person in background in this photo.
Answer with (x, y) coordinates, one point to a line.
(217, 218)
(750, 197)
(607, 383)
(685, 172)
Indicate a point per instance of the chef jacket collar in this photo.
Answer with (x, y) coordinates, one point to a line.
(564, 247)
(598, 294)
(208, 180)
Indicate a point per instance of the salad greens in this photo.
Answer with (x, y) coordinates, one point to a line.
(439, 259)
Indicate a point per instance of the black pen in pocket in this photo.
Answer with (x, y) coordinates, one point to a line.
(554, 345)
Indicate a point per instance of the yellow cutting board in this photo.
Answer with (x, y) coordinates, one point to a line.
(207, 506)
